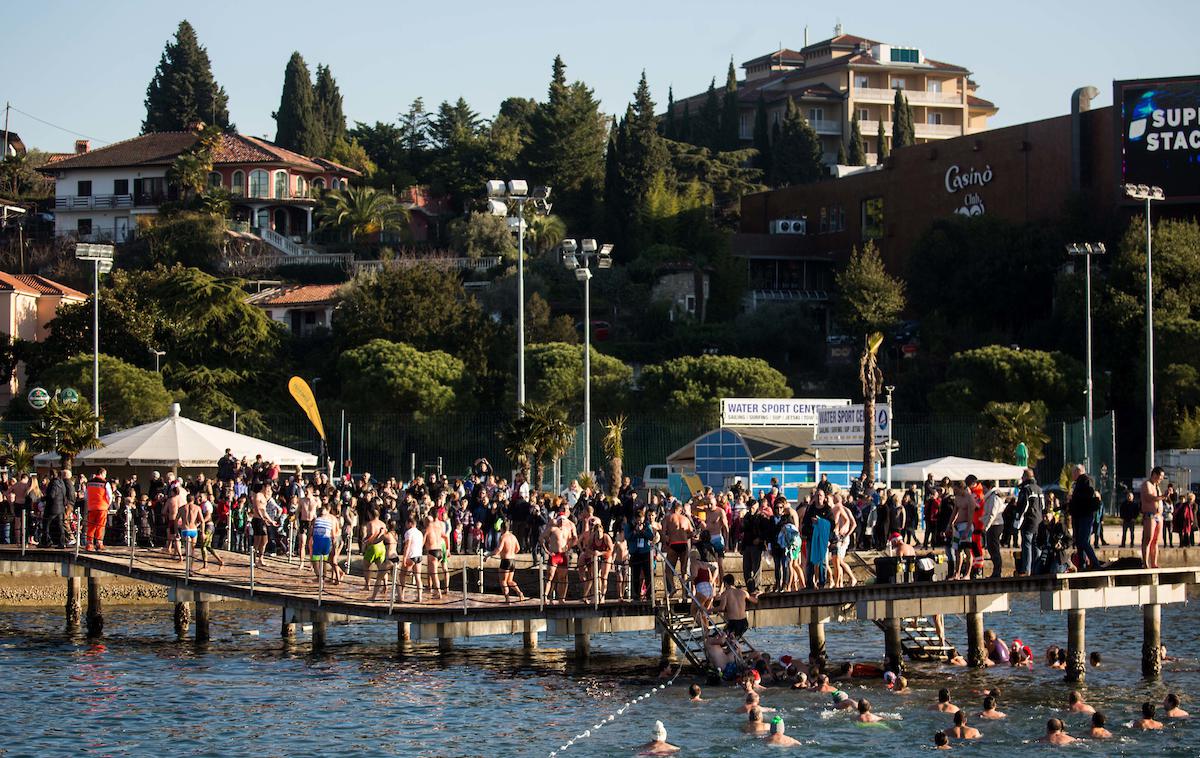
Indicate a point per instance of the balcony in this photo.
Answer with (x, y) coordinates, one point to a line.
(92, 202)
(938, 131)
(827, 127)
(915, 96)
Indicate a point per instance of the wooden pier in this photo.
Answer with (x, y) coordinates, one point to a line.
(473, 607)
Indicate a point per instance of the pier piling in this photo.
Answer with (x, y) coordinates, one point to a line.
(976, 652)
(95, 611)
(1076, 644)
(1151, 640)
(74, 608)
(183, 618)
(816, 642)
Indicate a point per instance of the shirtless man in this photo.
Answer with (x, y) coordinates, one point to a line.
(1075, 704)
(694, 694)
(557, 542)
(435, 550)
(659, 745)
(373, 547)
(716, 523)
(1098, 731)
(963, 525)
(989, 710)
(943, 704)
(602, 546)
(1147, 722)
(1152, 519)
(506, 551)
(620, 562)
(259, 521)
(717, 654)
(306, 511)
(844, 525)
(207, 530)
(777, 736)
(677, 534)
(410, 560)
(191, 521)
(823, 685)
(1055, 735)
(754, 722)
(732, 605)
(1171, 707)
(752, 701)
(171, 507)
(960, 730)
(864, 712)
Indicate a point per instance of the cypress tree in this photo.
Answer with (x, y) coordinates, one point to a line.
(857, 154)
(685, 124)
(638, 155)
(669, 121)
(327, 99)
(707, 131)
(883, 146)
(841, 156)
(297, 127)
(797, 152)
(731, 138)
(183, 90)
(762, 138)
(902, 126)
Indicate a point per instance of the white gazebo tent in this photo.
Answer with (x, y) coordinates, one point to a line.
(179, 443)
(956, 469)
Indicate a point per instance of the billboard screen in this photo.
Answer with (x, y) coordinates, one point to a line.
(1160, 134)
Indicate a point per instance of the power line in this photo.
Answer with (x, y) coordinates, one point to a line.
(56, 126)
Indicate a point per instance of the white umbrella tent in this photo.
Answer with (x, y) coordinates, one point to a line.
(179, 443)
(956, 469)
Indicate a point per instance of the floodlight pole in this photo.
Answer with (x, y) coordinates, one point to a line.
(96, 342)
(520, 306)
(587, 370)
(1087, 249)
(1148, 194)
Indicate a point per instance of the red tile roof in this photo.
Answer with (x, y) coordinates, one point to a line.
(979, 102)
(10, 283)
(161, 148)
(45, 286)
(298, 294)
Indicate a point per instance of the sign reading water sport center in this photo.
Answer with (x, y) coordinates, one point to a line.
(757, 411)
(843, 427)
(1159, 134)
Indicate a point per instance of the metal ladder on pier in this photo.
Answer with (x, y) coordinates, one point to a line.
(918, 636)
(688, 635)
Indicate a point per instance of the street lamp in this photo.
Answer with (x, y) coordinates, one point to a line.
(157, 354)
(578, 257)
(889, 389)
(1148, 194)
(1087, 250)
(500, 195)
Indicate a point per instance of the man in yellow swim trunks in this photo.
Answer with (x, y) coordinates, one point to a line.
(374, 548)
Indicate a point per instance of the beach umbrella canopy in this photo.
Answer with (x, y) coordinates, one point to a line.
(956, 468)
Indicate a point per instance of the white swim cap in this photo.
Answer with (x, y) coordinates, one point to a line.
(660, 731)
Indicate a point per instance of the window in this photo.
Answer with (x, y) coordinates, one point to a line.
(864, 114)
(120, 186)
(258, 184)
(746, 126)
(872, 218)
(84, 227)
(824, 220)
(815, 115)
(318, 185)
(281, 184)
(862, 81)
(83, 189)
(300, 186)
(933, 85)
(691, 303)
(150, 190)
(934, 118)
(837, 219)
(906, 55)
(215, 180)
(898, 82)
(237, 185)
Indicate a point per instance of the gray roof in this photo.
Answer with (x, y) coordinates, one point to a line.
(773, 443)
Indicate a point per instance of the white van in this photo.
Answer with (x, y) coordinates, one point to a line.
(655, 477)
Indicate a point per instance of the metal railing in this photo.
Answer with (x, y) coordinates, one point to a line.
(824, 126)
(280, 242)
(915, 96)
(938, 130)
(92, 202)
(482, 263)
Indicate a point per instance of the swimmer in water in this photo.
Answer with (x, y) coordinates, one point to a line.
(1075, 703)
(842, 701)
(752, 701)
(941, 741)
(1171, 707)
(960, 730)
(801, 682)
(1098, 731)
(901, 687)
(1095, 660)
(1055, 734)
(754, 722)
(989, 710)
(954, 659)
(823, 684)
(694, 694)
(778, 737)
(864, 712)
(1147, 722)
(943, 704)
(659, 745)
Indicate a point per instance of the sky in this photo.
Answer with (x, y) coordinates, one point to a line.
(84, 66)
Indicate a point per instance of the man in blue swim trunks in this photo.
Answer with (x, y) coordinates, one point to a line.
(191, 520)
(320, 540)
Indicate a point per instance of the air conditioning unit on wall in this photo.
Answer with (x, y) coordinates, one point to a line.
(789, 226)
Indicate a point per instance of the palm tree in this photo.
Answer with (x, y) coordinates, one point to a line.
(614, 448)
(544, 232)
(359, 211)
(871, 377)
(17, 456)
(68, 428)
(552, 435)
(516, 439)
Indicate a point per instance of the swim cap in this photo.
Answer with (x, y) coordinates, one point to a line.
(839, 696)
(786, 660)
(889, 679)
(756, 676)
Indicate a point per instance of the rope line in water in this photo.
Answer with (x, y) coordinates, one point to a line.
(613, 716)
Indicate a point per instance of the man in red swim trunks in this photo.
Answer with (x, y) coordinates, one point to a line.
(558, 539)
(677, 533)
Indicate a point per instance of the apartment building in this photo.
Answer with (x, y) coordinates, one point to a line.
(836, 79)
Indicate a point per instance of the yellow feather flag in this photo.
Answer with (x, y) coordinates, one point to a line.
(304, 398)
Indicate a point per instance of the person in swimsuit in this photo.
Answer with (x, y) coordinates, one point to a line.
(412, 549)
(557, 542)
(306, 511)
(754, 722)
(320, 542)
(960, 730)
(620, 561)
(1152, 519)
(259, 522)
(374, 549)
(391, 559)
(703, 595)
(435, 550)
(190, 522)
(732, 606)
(602, 545)
(506, 550)
(659, 745)
(171, 507)
(677, 533)
(208, 530)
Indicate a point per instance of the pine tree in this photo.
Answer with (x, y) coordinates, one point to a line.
(707, 130)
(902, 126)
(797, 152)
(731, 138)
(762, 138)
(183, 90)
(841, 156)
(297, 127)
(637, 155)
(669, 121)
(567, 146)
(327, 100)
(857, 154)
(883, 146)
